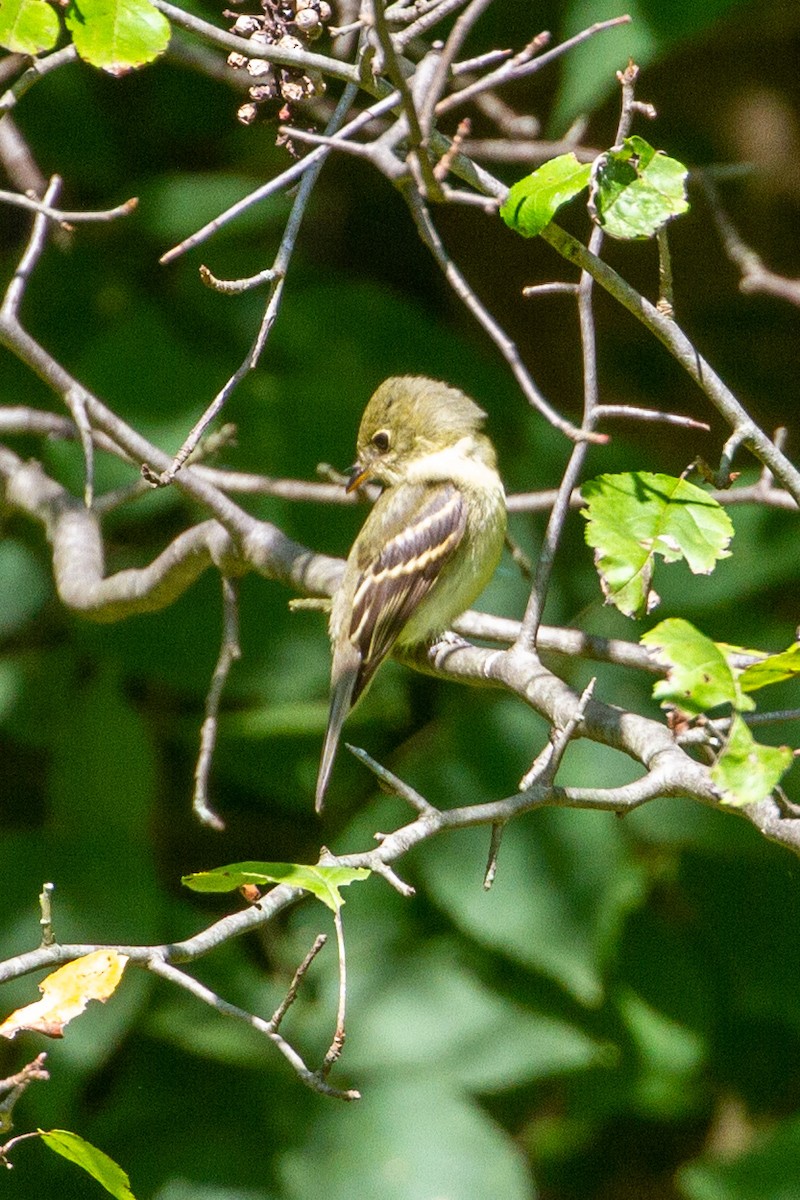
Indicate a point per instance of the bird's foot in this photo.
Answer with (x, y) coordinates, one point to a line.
(443, 646)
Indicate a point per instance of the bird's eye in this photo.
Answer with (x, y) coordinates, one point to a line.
(380, 441)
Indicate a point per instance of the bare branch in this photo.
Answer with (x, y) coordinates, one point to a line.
(160, 966)
(284, 180)
(527, 62)
(62, 215)
(37, 70)
(507, 348)
(755, 276)
(229, 653)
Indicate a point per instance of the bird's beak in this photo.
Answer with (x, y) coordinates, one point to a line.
(357, 475)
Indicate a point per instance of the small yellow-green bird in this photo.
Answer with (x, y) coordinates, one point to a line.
(428, 547)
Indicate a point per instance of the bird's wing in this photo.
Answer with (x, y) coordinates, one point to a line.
(424, 525)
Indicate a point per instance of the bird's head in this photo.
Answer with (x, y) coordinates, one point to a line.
(410, 417)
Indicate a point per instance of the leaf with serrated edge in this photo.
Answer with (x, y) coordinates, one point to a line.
(636, 190)
(747, 771)
(95, 1162)
(699, 675)
(27, 26)
(632, 517)
(322, 881)
(534, 201)
(117, 35)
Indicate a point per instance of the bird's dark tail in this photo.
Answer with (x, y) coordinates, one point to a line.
(341, 703)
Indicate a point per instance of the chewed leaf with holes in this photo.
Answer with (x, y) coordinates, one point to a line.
(699, 675)
(636, 190)
(747, 771)
(633, 517)
(95, 1162)
(28, 26)
(117, 35)
(534, 201)
(66, 992)
(322, 881)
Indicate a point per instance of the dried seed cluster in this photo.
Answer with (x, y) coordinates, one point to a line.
(291, 24)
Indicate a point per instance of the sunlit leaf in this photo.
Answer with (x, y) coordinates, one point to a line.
(776, 668)
(746, 771)
(636, 190)
(28, 26)
(534, 201)
(95, 1162)
(633, 517)
(699, 675)
(117, 35)
(323, 882)
(66, 992)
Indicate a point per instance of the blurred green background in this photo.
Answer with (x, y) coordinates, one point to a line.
(620, 1016)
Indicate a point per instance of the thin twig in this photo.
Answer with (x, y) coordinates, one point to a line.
(277, 273)
(631, 412)
(282, 181)
(666, 294)
(229, 653)
(430, 15)
(411, 121)
(527, 62)
(755, 276)
(389, 782)
(288, 1000)
(490, 874)
(159, 966)
(234, 287)
(556, 288)
(337, 1044)
(46, 919)
(505, 345)
(30, 257)
(544, 772)
(455, 40)
(37, 70)
(65, 216)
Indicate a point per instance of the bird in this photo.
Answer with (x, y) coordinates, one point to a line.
(429, 545)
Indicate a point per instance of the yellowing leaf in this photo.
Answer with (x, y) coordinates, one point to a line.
(66, 993)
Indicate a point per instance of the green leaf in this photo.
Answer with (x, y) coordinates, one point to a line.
(117, 35)
(95, 1162)
(636, 190)
(776, 668)
(747, 771)
(633, 517)
(534, 201)
(323, 882)
(27, 26)
(699, 676)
